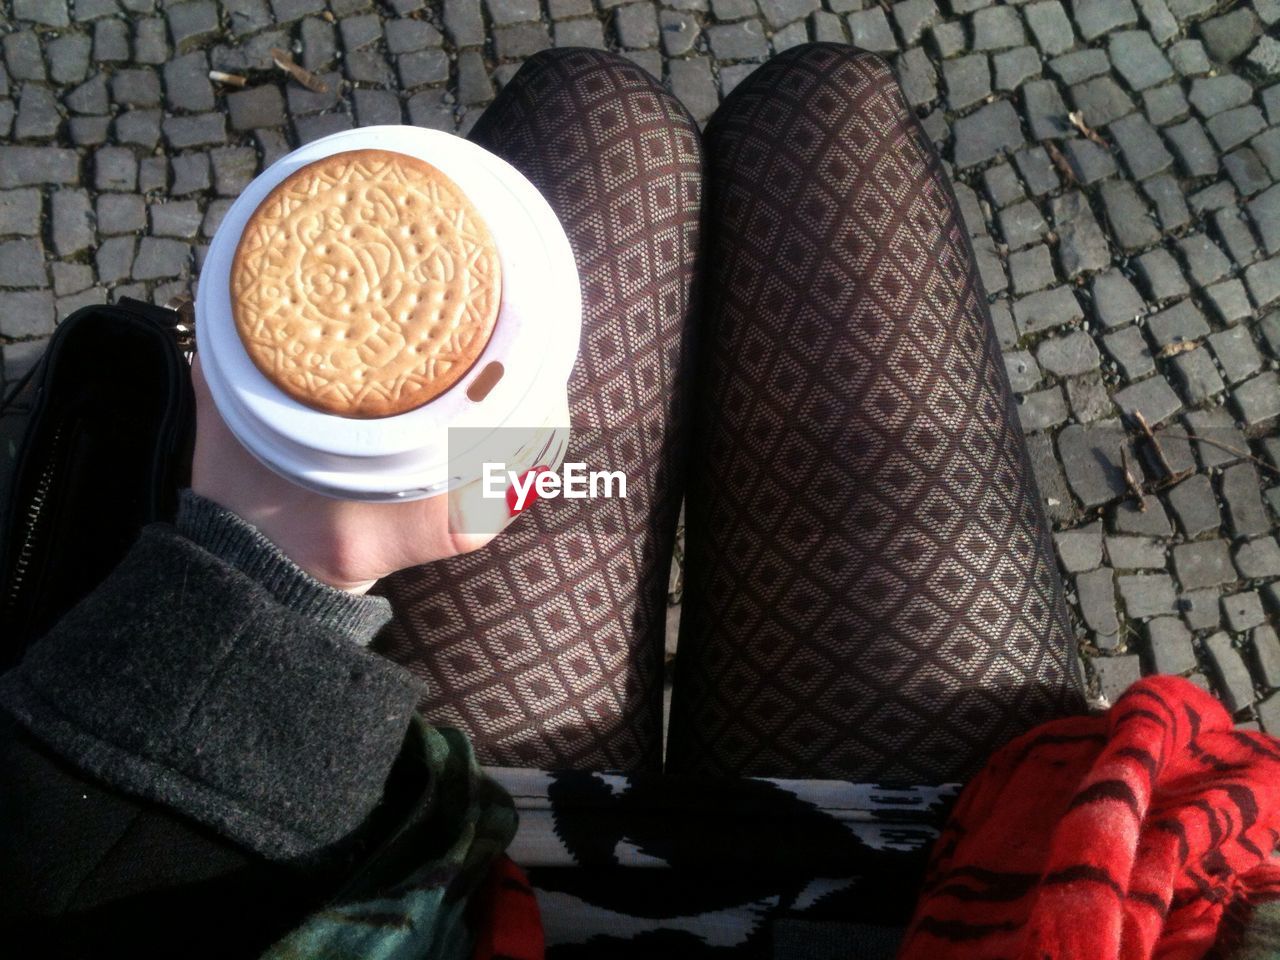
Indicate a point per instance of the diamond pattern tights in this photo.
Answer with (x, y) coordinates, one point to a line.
(870, 588)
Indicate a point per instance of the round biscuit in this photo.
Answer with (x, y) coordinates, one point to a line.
(365, 284)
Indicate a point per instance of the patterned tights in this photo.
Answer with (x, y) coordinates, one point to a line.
(870, 587)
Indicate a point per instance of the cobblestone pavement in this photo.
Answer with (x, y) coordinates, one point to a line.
(1117, 163)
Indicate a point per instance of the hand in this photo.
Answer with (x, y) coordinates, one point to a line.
(344, 543)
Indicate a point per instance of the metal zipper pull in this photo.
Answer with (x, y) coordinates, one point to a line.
(184, 327)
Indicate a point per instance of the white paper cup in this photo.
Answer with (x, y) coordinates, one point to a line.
(404, 457)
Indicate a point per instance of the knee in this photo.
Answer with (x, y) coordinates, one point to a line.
(831, 78)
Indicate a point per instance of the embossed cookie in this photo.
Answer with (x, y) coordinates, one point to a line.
(365, 284)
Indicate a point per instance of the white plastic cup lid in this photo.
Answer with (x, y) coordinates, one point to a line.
(535, 339)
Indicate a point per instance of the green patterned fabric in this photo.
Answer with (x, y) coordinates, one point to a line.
(409, 897)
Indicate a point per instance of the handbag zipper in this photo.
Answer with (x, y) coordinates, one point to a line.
(32, 523)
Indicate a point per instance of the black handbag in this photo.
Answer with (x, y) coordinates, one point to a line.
(105, 451)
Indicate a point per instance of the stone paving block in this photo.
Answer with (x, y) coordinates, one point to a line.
(463, 22)
(1091, 457)
(1046, 113)
(1243, 496)
(22, 263)
(1037, 170)
(1191, 146)
(1136, 553)
(1101, 101)
(1014, 67)
(1258, 558)
(1147, 594)
(1170, 645)
(1264, 281)
(987, 132)
(1081, 550)
(1180, 323)
(1050, 26)
(190, 24)
(90, 97)
(1229, 301)
(1236, 353)
(71, 214)
(421, 68)
(1130, 220)
(1218, 427)
(1042, 409)
(1089, 162)
(1070, 355)
(1021, 225)
(1202, 609)
(20, 212)
(1115, 300)
(679, 32)
(1189, 58)
(948, 38)
(1116, 674)
(739, 41)
(1194, 504)
(1080, 65)
(1093, 18)
(186, 83)
(1153, 397)
(1171, 207)
(140, 127)
(308, 129)
(1082, 246)
(1247, 171)
(1198, 376)
(1088, 398)
(1024, 372)
(1231, 128)
(1206, 563)
(778, 13)
(69, 58)
(26, 313)
(159, 258)
(967, 80)
(115, 168)
(119, 213)
(997, 28)
(69, 278)
(914, 70)
(590, 33)
(1097, 596)
(637, 25)
(1144, 153)
(150, 41)
(912, 16)
(474, 86)
(693, 84)
(1138, 59)
(371, 66)
(1258, 399)
(198, 130)
(1047, 309)
(1031, 269)
(1165, 105)
(1205, 261)
(1219, 195)
(1243, 610)
(87, 131)
(1230, 35)
(1233, 681)
(1266, 653)
(1264, 210)
(1130, 350)
(1212, 95)
(870, 30)
(1151, 521)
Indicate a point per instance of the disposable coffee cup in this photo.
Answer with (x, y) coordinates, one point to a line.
(511, 404)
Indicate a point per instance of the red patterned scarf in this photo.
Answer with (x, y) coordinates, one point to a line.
(1124, 834)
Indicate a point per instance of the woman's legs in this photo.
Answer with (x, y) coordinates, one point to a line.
(870, 587)
(546, 646)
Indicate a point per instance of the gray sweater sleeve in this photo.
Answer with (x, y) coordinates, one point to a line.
(211, 674)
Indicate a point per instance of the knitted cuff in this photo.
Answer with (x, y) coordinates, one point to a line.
(230, 538)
